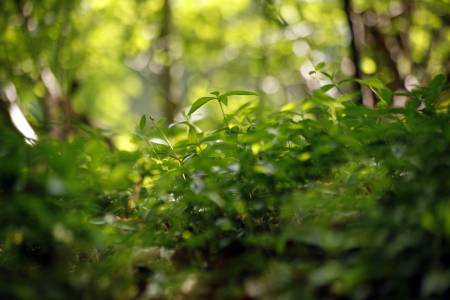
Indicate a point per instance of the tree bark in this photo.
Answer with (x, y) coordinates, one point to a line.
(354, 49)
(166, 80)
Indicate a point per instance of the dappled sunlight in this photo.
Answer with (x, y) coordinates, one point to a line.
(17, 116)
(211, 149)
(233, 43)
(22, 124)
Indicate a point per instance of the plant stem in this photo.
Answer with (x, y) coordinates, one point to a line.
(198, 144)
(385, 103)
(153, 148)
(339, 89)
(167, 140)
(223, 113)
(168, 143)
(346, 97)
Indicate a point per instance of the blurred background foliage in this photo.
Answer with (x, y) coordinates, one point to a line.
(323, 199)
(101, 62)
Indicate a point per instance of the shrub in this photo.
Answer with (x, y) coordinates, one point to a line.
(327, 200)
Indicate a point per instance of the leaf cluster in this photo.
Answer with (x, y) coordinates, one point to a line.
(324, 199)
(335, 198)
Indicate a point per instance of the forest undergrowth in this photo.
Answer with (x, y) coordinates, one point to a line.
(323, 199)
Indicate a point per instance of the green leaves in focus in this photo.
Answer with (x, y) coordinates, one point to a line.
(199, 103)
(221, 98)
(319, 66)
(158, 141)
(373, 82)
(224, 100)
(437, 83)
(143, 123)
(160, 122)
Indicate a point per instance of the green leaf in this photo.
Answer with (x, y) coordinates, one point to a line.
(97, 221)
(386, 94)
(241, 93)
(235, 129)
(188, 156)
(223, 146)
(320, 66)
(243, 107)
(199, 103)
(211, 138)
(125, 226)
(349, 96)
(139, 135)
(160, 122)
(214, 93)
(397, 110)
(430, 99)
(361, 110)
(223, 99)
(321, 96)
(413, 104)
(328, 75)
(326, 88)
(437, 82)
(374, 82)
(183, 145)
(143, 122)
(192, 128)
(179, 123)
(158, 141)
(381, 104)
(346, 80)
(334, 74)
(312, 72)
(214, 131)
(193, 135)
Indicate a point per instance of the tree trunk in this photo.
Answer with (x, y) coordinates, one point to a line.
(166, 81)
(354, 47)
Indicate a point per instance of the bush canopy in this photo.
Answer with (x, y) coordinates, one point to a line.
(319, 171)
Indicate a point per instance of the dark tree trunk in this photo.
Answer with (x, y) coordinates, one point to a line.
(354, 48)
(166, 80)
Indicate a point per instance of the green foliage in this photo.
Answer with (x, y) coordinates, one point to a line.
(99, 56)
(52, 196)
(336, 199)
(320, 198)
(327, 200)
